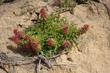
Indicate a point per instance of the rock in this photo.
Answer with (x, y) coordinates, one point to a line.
(94, 45)
(1, 1)
(6, 1)
(82, 1)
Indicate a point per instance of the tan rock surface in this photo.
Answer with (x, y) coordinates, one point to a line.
(94, 46)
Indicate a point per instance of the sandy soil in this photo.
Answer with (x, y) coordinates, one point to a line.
(93, 52)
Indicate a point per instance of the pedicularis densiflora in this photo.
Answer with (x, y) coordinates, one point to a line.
(50, 36)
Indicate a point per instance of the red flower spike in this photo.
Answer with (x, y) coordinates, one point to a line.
(27, 37)
(27, 46)
(36, 46)
(15, 31)
(16, 39)
(18, 33)
(16, 36)
(42, 13)
(65, 29)
(21, 34)
(66, 44)
(85, 28)
(51, 42)
(18, 42)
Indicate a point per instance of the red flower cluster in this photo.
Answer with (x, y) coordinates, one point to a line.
(33, 45)
(21, 34)
(16, 39)
(36, 46)
(27, 37)
(15, 31)
(27, 47)
(85, 28)
(66, 44)
(18, 33)
(65, 29)
(17, 36)
(43, 13)
(51, 42)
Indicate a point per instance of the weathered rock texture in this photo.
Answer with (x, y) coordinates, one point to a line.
(93, 53)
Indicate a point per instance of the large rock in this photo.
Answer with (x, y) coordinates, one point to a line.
(5, 1)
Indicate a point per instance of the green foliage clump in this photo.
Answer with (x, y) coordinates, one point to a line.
(52, 33)
(64, 5)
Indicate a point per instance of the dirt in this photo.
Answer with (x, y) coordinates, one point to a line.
(93, 52)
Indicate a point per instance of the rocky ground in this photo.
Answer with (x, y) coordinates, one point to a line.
(93, 52)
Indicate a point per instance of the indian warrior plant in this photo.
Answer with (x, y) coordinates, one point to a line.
(48, 37)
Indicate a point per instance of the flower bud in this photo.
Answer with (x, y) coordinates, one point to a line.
(27, 37)
(27, 47)
(36, 46)
(15, 31)
(51, 42)
(16, 39)
(66, 44)
(85, 28)
(42, 13)
(65, 29)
